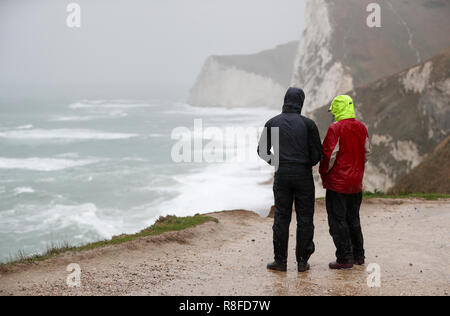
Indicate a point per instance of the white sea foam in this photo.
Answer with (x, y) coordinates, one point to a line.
(222, 187)
(224, 112)
(23, 190)
(73, 118)
(63, 134)
(83, 217)
(69, 155)
(29, 126)
(93, 101)
(47, 180)
(231, 185)
(109, 115)
(225, 186)
(80, 223)
(136, 159)
(107, 105)
(43, 164)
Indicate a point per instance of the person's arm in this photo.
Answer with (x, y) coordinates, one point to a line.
(265, 144)
(314, 143)
(330, 150)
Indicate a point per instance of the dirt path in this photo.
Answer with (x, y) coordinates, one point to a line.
(409, 239)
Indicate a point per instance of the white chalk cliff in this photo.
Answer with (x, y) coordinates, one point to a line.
(316, 69)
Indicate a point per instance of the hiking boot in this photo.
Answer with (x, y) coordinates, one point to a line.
(360, 262)
(303, 266)
(275, 266)
(340, 266)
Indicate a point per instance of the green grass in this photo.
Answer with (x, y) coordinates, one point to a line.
(162, 225)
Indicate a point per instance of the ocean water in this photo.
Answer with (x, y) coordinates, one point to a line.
(88, 170)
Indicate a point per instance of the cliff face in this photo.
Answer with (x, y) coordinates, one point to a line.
(245, 80)
(316, 70)
(407, 115)
(419, 180)
(338, 51)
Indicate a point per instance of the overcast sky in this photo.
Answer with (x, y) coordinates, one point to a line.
(129, 48)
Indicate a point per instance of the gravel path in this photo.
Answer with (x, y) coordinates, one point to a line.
(408, 239)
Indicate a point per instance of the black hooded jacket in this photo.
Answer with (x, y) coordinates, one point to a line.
(299, 139)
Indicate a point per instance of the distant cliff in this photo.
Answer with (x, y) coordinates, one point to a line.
(258, 80)
(407, 114)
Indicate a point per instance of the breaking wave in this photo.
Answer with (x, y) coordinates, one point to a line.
(107, 105)
(63, 134)
(43, 164)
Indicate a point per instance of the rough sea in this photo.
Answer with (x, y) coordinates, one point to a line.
(82, 171)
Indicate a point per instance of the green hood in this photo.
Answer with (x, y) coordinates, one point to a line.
(343, 108)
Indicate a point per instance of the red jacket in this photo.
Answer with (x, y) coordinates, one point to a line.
(346, 148)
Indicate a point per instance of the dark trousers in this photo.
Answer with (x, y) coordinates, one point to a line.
(345, 225)
(294, 185)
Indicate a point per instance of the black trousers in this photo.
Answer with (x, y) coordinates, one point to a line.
(294, 184)
(345, 225)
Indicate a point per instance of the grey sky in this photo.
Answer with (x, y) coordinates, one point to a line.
(130, 48)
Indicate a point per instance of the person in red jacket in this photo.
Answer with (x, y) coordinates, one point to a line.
(346, 149)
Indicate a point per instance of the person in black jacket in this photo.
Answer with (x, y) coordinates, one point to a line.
(297, 148)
